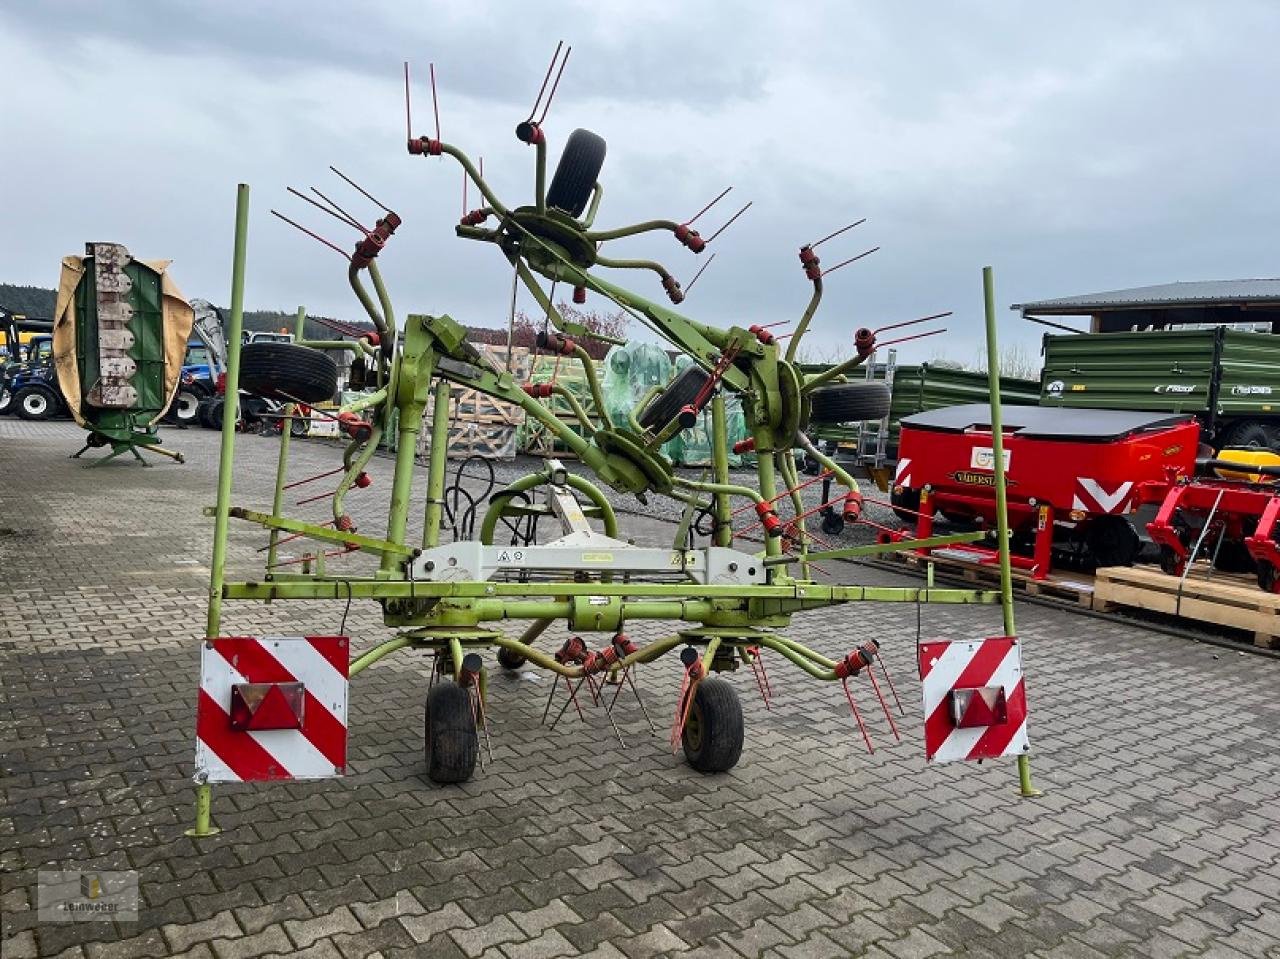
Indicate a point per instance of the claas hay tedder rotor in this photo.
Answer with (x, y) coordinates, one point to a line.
(732, 598)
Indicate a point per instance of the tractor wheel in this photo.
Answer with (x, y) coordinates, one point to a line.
(849, 402)
(35, 403)
(287, 372)
(1170, 562)
(509, 660)
(1252, 434)
(906, 505)
(679, 393)
(185, 408)
(1233, 557)
(832, 523)
(451, 742)
(713, 732)
(1113, 541)
(213, 413)
(1267, 578)
(577, 172)
(6, 402)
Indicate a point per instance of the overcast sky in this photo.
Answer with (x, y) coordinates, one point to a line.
(1075, 147)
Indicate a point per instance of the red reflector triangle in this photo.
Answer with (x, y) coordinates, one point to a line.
(276, 712)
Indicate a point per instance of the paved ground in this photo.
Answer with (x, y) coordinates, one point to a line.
(1159, 833)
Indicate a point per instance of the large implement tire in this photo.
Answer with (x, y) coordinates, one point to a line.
(451, 743)
(35, 403)
(849, 402)
(713, 732)
(577, 172)
(287, 371)
(679, 393)
(1252, 434)
(213, 413)
(1234, 557)
(6, 402)
(185, 408)
(1113, 541)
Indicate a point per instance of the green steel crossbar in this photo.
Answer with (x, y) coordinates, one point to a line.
(876, 549)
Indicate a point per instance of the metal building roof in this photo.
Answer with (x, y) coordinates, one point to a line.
(1191, 293)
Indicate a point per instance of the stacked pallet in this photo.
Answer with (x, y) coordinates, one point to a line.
(479, 424)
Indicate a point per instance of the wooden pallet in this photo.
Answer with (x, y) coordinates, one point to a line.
(1077, 588)
(479, 424)
(1223, 600)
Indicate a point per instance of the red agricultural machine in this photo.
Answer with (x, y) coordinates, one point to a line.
(1073, 477)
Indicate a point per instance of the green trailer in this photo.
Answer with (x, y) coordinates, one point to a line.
(915, 389)
(1229, 379)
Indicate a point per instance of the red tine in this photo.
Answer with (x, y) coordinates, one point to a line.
(723, 194)
(883, 705)
(408, 117)
(832, 236)
(698, 274)
(542, 89)
(857, 715)
(312, 479)
(361, 190)
(923, 319)
(339, 209)
(730, 223)
(318, 206)
(333, 246)
(852, 259)
(551, 96)
(889, 679)
(917, 336)
(435, 102)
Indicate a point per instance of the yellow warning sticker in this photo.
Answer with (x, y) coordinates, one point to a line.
(597, 557)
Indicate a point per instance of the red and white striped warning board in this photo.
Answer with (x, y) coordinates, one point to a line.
(975, 702)
(272, 708)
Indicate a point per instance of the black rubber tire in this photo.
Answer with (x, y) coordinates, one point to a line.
(577, 172)
(1113, 541)
(962, 522)
(1234, 557)
(1170, 562)
(287, 371)
(849, 402)
(509, 660)
(679, 393)
(451, 745)
(714, 731)
(214, 411)
(1252, 434)
(6, 402)
(35, 403)
(906, 505)
(298, 426)
(832, 523)
(185, 408)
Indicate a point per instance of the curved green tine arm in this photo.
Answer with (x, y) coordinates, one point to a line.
(648, 226)
(596, 196)
(562, 391)
(803, 325)
(593, 384)
(476, 178)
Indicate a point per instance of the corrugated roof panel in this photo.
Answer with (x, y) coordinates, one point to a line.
(1165, 294)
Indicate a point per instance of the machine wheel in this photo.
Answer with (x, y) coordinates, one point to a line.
(298, 426)
(906, 505)
(962, 522)
(1170, 562)
(1113, 541)
(6, 402)
(35, 403)
(509, 660)
(1251, 433)
(287, 371)
(849, 402)
(451, 742)
(832, 523)
(713, 732)
(577, 172)
(185, 408)
(1234, 557)
(213, 413)
(679, 393)
(1267, 578)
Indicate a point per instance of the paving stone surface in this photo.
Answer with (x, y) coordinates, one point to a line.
(1158, 833)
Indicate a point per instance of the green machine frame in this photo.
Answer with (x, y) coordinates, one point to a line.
(726, 617)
